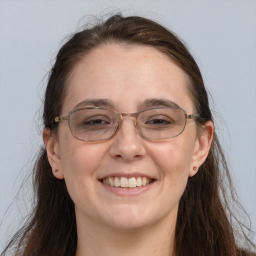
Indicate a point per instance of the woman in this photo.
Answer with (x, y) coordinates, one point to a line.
(131, 164)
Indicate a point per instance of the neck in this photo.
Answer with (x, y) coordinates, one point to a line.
(95, 239)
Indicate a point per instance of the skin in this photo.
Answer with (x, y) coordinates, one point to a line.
(108, 223)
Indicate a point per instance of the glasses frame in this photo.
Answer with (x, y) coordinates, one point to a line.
(120, 119)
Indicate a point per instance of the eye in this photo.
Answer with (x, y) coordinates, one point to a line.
(159, 121)
(94, 122)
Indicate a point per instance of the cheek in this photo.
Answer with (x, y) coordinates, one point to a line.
(77, 157)
(172, 158)
(81, 159)
(172, 162)
(79, 164)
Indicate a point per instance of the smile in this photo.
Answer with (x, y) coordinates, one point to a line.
(124, 182)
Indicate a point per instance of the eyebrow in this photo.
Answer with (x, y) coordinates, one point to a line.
(155, 102)
(148, 103)
(95, 103)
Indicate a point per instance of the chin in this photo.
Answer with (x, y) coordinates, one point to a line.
(128, 218)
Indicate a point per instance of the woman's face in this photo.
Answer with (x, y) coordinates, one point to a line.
(126, 76)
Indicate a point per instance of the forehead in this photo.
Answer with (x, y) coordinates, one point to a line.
(127, 75)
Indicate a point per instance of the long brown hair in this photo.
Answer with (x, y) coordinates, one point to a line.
(204, 216)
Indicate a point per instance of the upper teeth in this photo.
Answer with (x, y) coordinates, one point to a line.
(126, 182)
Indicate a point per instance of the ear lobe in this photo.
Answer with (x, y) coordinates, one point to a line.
(52, 149)
(202, 147)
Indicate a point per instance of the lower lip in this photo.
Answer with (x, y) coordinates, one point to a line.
(128, 191)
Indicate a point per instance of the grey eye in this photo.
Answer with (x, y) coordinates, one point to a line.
(96, 122)
(159, 121)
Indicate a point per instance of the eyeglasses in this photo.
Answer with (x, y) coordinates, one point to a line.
(94, 124)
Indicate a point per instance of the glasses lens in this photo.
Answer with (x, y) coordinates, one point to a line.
(93, 124)
(161, 123)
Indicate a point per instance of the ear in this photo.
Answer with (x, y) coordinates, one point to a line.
(52, 149)
(202, 147)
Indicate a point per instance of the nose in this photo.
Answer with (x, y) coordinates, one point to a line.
(127, 143)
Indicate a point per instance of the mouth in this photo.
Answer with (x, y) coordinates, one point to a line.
(124, 182)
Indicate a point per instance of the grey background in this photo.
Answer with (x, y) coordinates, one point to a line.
(220, 34)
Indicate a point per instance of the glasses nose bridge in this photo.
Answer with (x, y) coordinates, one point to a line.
(133, 115)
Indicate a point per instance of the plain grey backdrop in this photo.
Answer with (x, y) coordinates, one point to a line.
(220, 34)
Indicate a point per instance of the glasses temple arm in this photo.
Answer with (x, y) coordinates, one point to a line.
(60, 118)
(192, 116)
